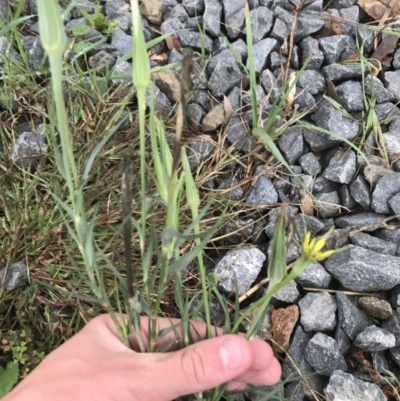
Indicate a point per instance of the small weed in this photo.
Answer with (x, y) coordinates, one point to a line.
(98, 22)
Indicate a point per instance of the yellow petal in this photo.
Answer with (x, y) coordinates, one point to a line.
(319, 245)
(306, 242)
(323, 255)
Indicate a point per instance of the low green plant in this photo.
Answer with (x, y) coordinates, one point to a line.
(98, 22)
(8, 378)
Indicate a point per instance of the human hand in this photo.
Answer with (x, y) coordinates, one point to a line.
(95, 365)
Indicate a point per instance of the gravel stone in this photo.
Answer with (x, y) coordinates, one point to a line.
(152, 11)
(393, 325)
(229, 182)
(374, 86)
(304, 100)
(288, 293)
(322, 185)
(223, 55)
(386, 110)
(341, 72)
(195, 40)
(360, 192)
(351, 319)
(214, 118)
(29, 149)
(342, 167)
(270, 84)
(375, 339)
(374, 244)
(323, 354)
(4, 10)
(265, 332)
(351, 95)
(386, 188)
(237, 134)
(17, 276)
(380, 362)
(313, 81)
(329, 203)
(233, 17)
(226, 75)
(310, 164)
(375, 307)
(262, 192)
(291, 144)
(392, 83)
(283, 322)
(162, 105)
(360, 269)
(346, 199)
(317, 312)
(178, 12)
(395, 297)
(342, 339)
(199, 150)
(312, 224)
(333, 47)
(168, 5)
(309, 46)
(262, 50)
(315, 276)
(168, 82)
(122, 42)
(243, 265)
(394, 203)
(395, 355)
(172, 26)
(7, 51)
(35, 52)
(193, 7)
(369, 221)
(261, 22)
(277, 61)
(350, 14)
(296, 354)
(212, 17)
(332, 120)
(345, 387)
(392, 142)
(194, 114)
(306, 25)
(280, 31)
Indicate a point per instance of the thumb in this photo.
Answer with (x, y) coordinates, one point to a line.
(202, 366)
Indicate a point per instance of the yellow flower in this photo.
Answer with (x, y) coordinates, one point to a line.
(312, 248)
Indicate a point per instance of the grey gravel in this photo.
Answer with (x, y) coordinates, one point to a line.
(162, 105)
(341, 72)
(261, 19)
(323, 354)
(17, 276)
(29, 149)
(392, 83)
(35, 52)
(193, 7)
(360, 269)
(235, 193)
(310, 164)
(386, 110)
(333, 47)
(270, 84)
(351, 95)
(375, 339)
(172, 26)
(262, 192)
(288, 293)
(345, 387)
(280, 31)
(226, 75)
(317, 311)
(212, 17)
(199, 150)
(394, 203)
(7, 51)
(351, 319)
(379, 362)
(374, 86)
(291, 144)
(196, 40)
(322, 185)
(386, 188)
(395, 297)
(315, 276)
(238, 134)
(122, 42)
(178, 12)
(297, 357)
(393, 325)
(240, 266)
(341, 167)
(309, 46)
(392, 142)
(360, 192)
(233, 17)
(313, 81)
(223, 55)
(329, 203)
(342, 339)
(194, 114)
(395, 355)
(369, 221)
(346, 199)
(262, 50)
(374, 244)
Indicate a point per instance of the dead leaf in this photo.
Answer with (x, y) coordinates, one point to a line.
(336, 28)
(353, 57)
(376, 9)
(324, 32)
(173, 43)
(331, 90)
(307, 205)
(388, 45)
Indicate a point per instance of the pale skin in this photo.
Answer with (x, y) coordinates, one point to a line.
(95, 365)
